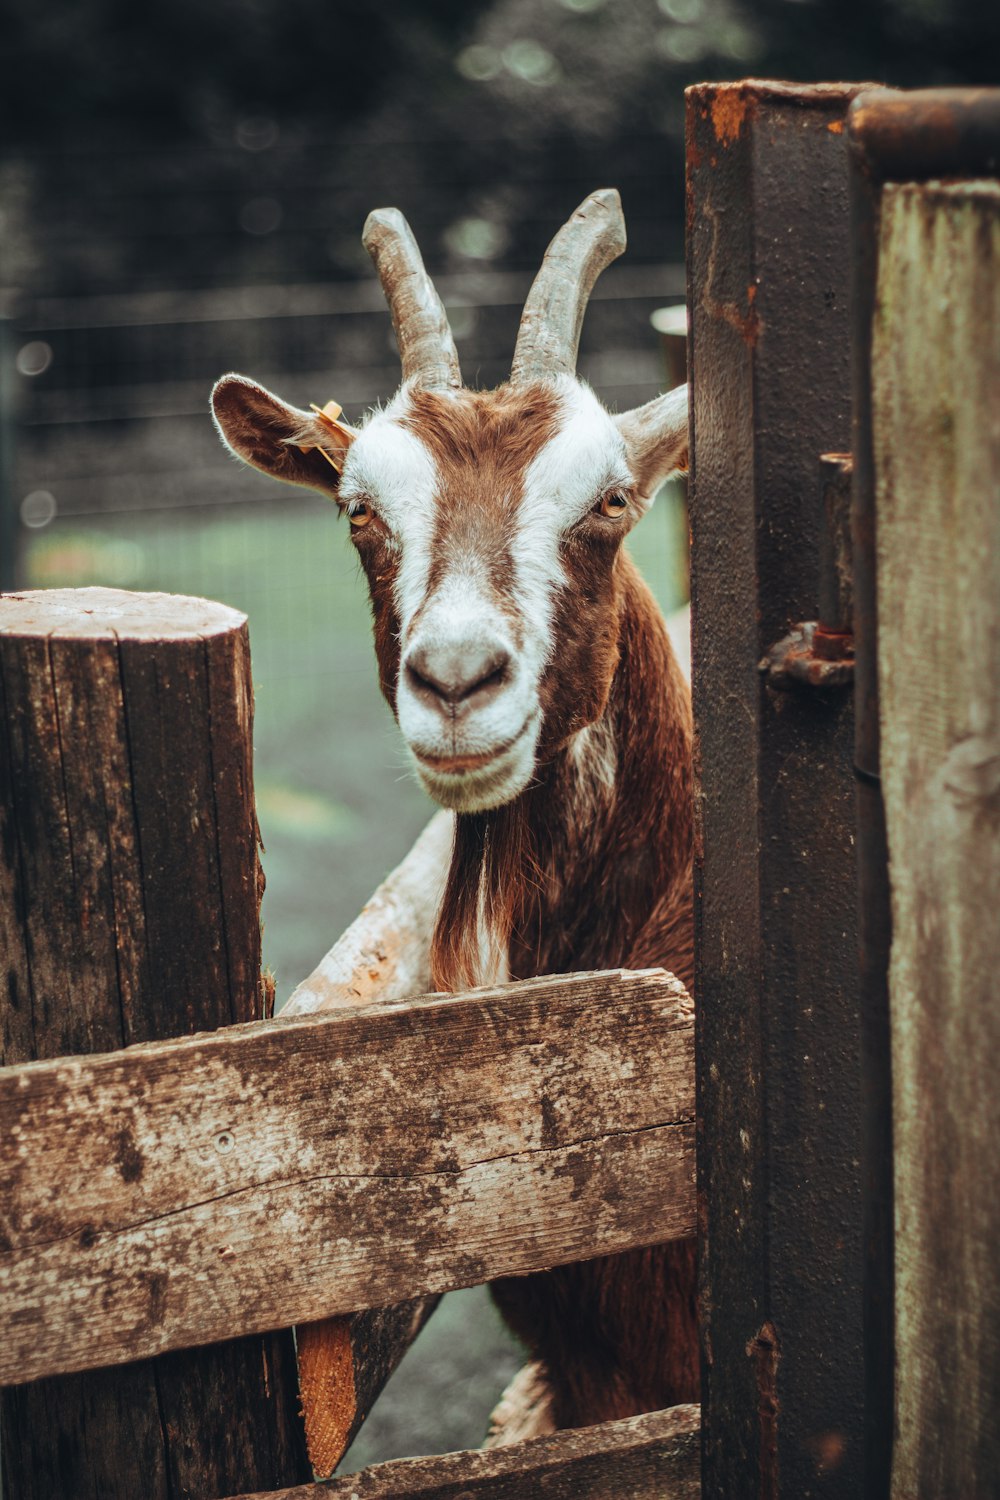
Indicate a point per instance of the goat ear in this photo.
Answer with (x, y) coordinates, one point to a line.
(656, 437)
(267, 433)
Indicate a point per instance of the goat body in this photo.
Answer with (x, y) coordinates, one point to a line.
(534, 683)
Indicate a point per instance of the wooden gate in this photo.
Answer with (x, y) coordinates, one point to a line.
(369, 1150)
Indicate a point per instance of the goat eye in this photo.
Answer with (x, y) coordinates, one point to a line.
(612, 505)
(359, 514)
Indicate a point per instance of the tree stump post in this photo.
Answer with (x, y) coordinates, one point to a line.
(130, 888)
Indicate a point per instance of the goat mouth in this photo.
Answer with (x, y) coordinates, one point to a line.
(473, 782)
(453, 765)
(461, 764)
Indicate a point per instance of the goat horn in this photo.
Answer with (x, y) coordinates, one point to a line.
(426, 347)
(553, 314)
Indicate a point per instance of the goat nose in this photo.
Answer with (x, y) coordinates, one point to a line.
(458, 674)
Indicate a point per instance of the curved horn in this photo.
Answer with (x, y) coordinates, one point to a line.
(426, 346)
(553, 314)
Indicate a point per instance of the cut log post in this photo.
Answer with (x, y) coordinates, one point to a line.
(129, 910)
(935, 381)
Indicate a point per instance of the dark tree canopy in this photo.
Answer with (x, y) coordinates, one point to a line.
(80, 71)
(246, 141)
(76, 71)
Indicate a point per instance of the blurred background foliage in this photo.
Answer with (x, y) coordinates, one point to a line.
(499, 96)
(182, 190)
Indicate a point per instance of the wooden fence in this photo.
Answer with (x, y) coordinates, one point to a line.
(161, 1191)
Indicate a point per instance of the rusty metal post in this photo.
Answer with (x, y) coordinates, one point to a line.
(778, 1028)
(915, 136)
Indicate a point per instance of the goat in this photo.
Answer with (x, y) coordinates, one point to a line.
(533, 680)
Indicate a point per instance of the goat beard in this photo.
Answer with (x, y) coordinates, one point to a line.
(494, 884)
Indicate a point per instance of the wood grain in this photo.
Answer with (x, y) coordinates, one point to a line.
(936, 385)
(285, 1171)
(344, 1364)
(129, 910)
(780, 1232)
(652, 1457)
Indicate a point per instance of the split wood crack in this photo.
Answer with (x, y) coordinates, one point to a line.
(282, 1184)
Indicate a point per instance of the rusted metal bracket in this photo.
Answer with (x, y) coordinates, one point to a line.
(895, 136)
(809, 657)
(820, 653)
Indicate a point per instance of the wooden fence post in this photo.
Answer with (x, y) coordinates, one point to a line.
(935, 387)
(909, 137)
(129, 910)
(776, 962)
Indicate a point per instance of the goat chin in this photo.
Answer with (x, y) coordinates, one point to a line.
(499, 781)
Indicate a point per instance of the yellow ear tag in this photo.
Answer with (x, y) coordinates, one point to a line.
(328, 415)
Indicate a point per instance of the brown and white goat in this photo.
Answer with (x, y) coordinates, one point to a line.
(534, 683)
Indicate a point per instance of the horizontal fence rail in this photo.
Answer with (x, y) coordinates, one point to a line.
(652, 1457)
(323, 299)
(181, 1192)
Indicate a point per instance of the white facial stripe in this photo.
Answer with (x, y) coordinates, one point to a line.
(392, 466)
(586, 457)
(461, 605)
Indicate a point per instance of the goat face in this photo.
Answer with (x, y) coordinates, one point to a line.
(492, 523)
(489, 526)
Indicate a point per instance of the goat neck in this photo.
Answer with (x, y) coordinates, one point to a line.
(590, 866)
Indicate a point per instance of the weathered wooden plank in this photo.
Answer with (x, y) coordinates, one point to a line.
(89, 937)
(289, 1170)
(936, 388)
(652, 1457)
